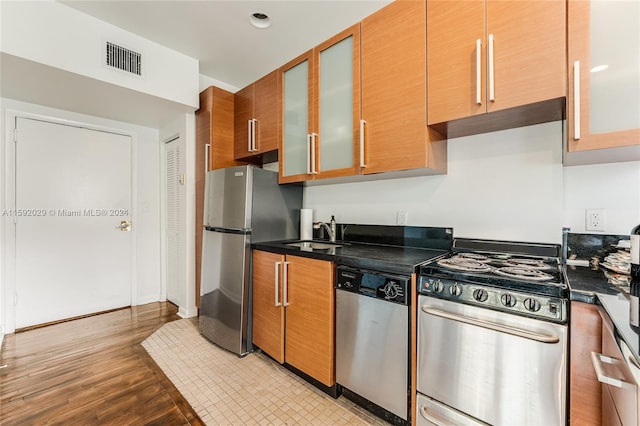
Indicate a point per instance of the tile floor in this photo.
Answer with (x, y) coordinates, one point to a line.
(226, 390)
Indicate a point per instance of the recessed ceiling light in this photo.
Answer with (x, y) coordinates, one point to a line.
(599, 68)
(260, 20)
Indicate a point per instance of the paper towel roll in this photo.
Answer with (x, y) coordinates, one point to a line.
(306, 224)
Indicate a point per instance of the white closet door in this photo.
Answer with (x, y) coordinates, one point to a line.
(73, 190)
(175, 202)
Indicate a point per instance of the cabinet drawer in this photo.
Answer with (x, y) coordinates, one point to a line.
(618, 381)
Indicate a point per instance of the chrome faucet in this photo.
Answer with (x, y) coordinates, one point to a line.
(331, 228)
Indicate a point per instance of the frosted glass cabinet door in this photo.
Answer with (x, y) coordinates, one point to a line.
(336, 106)
(321, 104)
(295, 152)
(614, 72)
(604, 64)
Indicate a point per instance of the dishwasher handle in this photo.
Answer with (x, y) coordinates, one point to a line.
(501, 328)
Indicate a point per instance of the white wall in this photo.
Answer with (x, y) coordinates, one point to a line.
(614, 187)
(146, 202)
(53, 34)
(184, 127)
(503, 185)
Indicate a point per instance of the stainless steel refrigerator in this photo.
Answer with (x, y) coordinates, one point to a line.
(243, 205)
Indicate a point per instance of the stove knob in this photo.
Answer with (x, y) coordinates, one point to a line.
(508, 300)
(531, 305)
(480, 295)
(438, 287)
(455, 290)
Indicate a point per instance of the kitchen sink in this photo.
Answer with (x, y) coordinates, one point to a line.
(314, 245)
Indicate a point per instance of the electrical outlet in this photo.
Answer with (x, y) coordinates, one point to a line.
(596, 220)
(401, 218)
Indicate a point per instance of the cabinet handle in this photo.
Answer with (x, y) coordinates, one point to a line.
(479, 72)
(576, 100)
(254, 124)
(207, 154)
(277, 281)
(362, 123)
(492, 94)
(285, 290)
(313, 153)
(249, 126)
(597, 360)
(308, 153)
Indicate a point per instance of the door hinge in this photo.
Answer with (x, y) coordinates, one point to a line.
(15, 135)
(182, 179)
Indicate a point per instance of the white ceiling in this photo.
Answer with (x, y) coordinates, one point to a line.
(219, 35)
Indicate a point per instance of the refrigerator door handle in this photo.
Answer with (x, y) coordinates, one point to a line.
(243, 231)
(285, 289)
(277, 281)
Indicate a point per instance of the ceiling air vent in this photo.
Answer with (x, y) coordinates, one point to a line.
(123, 59)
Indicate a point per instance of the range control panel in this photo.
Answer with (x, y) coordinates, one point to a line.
(500, 299)
(393, 288)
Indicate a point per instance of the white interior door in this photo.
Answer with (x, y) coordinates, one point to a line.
(175, 201)
(73, 189)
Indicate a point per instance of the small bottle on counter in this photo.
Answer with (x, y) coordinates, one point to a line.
(634, 291)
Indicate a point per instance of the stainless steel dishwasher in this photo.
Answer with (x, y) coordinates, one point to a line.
(372, 340)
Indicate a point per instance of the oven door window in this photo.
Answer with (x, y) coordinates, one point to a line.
(493, 366)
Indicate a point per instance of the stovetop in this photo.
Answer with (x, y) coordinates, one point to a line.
(537, 275)
(520, 266)
(519, 278)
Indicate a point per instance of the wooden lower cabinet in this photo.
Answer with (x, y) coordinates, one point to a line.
(585, 392)
(619, 403)
(294, 319)
(268, 312)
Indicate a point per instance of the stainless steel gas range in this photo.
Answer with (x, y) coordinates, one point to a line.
(492, 336)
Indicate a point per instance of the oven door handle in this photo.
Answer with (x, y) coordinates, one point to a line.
(430, 418)
(440, 419)
(501, 328)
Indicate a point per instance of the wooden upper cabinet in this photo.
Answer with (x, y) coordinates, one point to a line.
(214, 131)
(321, 110)
(604, 65)
(453, 31)
(257, 124)
(394, 92)
(493, 55)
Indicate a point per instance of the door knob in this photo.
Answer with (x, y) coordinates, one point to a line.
(125, 226)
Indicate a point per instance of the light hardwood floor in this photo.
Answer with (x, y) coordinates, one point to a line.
(90, 371)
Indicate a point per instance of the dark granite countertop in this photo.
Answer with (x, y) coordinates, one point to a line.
(585, 283)
(376, 257)
(598, 286)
